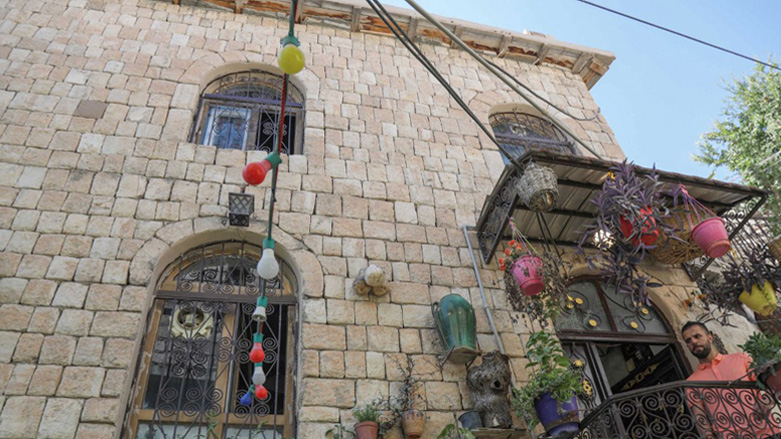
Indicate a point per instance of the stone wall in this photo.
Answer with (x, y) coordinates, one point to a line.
(98, 181)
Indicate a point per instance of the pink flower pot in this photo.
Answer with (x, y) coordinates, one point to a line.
(711, 236)
(526, 274)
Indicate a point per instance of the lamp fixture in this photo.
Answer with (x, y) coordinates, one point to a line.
(240, 208)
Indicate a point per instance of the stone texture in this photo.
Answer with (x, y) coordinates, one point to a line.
(81, 382)
(61, 418)
(21, 416)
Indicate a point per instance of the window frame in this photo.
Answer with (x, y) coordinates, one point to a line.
(228, 381)
(545, 135)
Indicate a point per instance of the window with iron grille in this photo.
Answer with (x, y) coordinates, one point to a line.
(195, 366)
(519, 132)
(241, 111)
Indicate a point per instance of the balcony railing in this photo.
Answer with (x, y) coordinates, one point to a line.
(686, 410)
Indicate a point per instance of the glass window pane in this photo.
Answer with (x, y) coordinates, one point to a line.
(226, 127)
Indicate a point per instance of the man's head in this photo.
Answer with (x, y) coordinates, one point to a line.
(698, 339)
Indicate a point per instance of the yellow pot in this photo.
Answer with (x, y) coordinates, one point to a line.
(762, 301)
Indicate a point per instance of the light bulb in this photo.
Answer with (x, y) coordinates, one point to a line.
(261, 392)
(246, 400)
(257, 354)
(259, 377)
(291, 59)
(268, 268)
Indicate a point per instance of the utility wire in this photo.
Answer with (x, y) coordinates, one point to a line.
(731, 52)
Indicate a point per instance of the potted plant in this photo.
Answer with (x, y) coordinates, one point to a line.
(524, 262)
(765, 355)
(453, 431)
(552, 388)
(708, 231)
(756, 278)
(368, 417)
(408, 404)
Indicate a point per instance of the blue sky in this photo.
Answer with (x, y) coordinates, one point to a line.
(662, 92)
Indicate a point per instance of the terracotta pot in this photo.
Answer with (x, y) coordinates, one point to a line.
(413, 421)
(526, 274)
(648, 233)
(711, 236)
(772, 379)
(366, 430)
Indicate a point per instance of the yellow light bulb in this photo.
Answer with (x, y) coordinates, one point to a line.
(291, 59)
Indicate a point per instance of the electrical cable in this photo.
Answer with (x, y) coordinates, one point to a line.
(696, 40)
(480, 59)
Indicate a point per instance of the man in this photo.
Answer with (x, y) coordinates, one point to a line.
(727, 413)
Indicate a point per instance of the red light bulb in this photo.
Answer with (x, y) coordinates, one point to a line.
(261, 392)
(257, 355)
(254, 173)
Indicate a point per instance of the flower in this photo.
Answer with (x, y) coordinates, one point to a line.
(507, 251)
(512, 243)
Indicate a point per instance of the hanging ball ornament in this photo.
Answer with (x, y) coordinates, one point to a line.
(257, 355)
(261, 392)
(254, 173)
(291, 59)
(246, 400)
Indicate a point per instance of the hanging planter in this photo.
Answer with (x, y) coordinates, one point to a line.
(526, 272)
(455, 321)
(760, 300)
(413, 422)
(711, 236)
(649, 233)
(538, 188)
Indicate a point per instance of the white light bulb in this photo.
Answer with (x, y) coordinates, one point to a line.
(259, 377)
(268, 268)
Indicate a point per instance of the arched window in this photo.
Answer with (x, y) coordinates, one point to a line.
(241, 111)
(519, 132)
(195, 367)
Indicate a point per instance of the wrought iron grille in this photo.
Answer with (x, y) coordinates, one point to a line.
(195, 367)
(519, 132)
(241, 111)
(686, 410)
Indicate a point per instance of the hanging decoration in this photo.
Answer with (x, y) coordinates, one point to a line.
(259, 315)
(257, 354)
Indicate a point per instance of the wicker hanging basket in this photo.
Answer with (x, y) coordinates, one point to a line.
(774, 247)
(538, 188)
(684, 218)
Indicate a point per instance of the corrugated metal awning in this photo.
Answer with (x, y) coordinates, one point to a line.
(580, 179)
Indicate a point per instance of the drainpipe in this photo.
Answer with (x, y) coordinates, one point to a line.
(482, 292)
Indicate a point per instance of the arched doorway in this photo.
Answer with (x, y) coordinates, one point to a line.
(617, 346)
(194, 366)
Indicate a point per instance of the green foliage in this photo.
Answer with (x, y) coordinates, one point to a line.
(748, 139)
(453, 431)
(368, 412)
(552, 374)
(763, 349)
(339, 432)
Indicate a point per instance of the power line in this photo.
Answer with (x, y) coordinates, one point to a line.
(731, 52)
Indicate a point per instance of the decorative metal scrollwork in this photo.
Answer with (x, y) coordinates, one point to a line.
(499, 207)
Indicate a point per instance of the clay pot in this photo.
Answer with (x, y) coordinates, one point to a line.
(366, 430)
(413, 421)
(711, 236)
(526, 274)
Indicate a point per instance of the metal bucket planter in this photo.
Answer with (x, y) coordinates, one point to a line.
(538, 188)
(760, 300)
(454, 318)
(557, 421)
(471, 420)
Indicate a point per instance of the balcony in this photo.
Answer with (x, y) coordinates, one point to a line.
(686, 410)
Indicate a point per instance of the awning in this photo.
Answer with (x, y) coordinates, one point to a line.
(580, 179)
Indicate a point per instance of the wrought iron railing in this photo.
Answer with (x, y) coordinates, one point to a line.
(686, 410)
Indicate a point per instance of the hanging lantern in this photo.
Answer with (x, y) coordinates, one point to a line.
(259, 377)
(291, 58)
(268, 268)
(257, 354)
(254, 173)
(246, 400)
(259, 315)
(261, 392)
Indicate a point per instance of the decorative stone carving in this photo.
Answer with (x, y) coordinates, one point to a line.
(488, 385)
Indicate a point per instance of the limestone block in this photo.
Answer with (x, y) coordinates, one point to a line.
(118, 352)
(365, 313)
(74, 322)
(44, 320)
(89, 270)
(26, 220)
(102, 410)
(328, 392)
(21, 416)
(332, 364)
(62, 268)
(115, 324)
(340, 311)
(410, 293)
(81, 382)
(114, 382)
(367, 391)
(116, 272)
(11, 289)
(20, 379)
(61, 418)
(410, 341)
(45, 381)
(133, 299)
(70, 294)
(314, 311)
(356, 338)
(383, 339)
(57, 349)
(8, 341)
(389, 314)
(317, 336)
(28, 348)
(22, 242)
(443, 395)
(49, 244)
(320, 414)
(88, 351)
(95, 431)
(15, 317)
(355, 364)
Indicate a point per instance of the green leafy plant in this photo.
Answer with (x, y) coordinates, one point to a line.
(339, 432)
(368, 412)
(552, 374)
(763, 350)
(453, 431)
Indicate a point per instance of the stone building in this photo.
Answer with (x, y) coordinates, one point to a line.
(126, 294)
